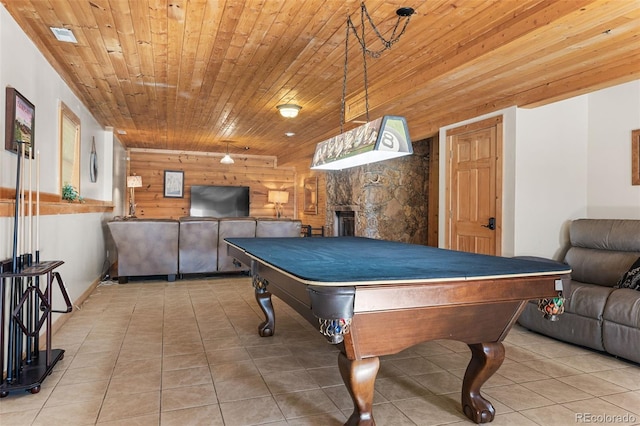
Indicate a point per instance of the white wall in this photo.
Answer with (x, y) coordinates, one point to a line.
(550, 176)
(76, 239)
(562, 161)
(613, 114)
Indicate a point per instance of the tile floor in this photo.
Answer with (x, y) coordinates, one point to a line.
(188, 353)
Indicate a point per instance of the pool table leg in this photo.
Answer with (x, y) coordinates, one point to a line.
(486, 358)
(359, 376)
(263, 297)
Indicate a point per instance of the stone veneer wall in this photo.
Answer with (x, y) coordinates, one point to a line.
(389, 198)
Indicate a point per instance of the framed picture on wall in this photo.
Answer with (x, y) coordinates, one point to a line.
(635, 157)
(311, 195)
(20, 122)
(173, 184)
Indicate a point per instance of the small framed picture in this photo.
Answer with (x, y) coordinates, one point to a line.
(311, 195)
(173, 184)
(635, 157)
(20, 122)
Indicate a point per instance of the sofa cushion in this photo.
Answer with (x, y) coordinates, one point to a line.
(623, 307)
(606, 234)
(198, 245)
(621, 325)
(278, 228)
(587, 300)
(599, 266)
(233, 227)
(146, 246)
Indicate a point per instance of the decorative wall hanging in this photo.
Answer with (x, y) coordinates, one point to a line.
(93, 162)
(635, 157)
(20, 122)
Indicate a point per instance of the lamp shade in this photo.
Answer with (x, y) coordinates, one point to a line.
(382, 139)
(289, 110)
(134, 181)
(278, 197)
(227, 159)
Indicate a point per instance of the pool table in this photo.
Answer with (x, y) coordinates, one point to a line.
(374, 297)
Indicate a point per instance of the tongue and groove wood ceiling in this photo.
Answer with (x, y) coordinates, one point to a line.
(193, 74)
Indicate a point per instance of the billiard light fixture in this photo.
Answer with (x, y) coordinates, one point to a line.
(289, 110)
(381, 139)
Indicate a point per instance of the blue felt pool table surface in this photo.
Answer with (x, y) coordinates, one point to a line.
(358, 260)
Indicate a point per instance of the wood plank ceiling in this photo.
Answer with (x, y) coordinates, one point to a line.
(194, 74)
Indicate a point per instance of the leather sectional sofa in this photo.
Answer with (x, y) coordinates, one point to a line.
(597, 314)
(190, 245)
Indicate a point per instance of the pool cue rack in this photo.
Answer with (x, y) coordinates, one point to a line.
(30, 309)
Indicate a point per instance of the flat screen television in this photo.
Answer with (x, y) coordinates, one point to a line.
(219, 201)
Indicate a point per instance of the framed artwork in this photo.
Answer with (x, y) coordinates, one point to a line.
(173, 184)
(635, 157)
(20, 119)
(311, 195)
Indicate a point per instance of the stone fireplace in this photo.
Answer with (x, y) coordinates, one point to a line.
(386, 200)
(344, 222)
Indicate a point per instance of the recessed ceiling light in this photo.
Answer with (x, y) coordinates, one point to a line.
(122, 132)
(289, 134)
(64, 34)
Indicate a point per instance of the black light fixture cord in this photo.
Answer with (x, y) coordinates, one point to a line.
(374, 54)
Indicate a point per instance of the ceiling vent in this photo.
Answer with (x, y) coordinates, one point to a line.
(64, 34)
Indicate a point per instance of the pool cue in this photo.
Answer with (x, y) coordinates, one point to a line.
(11, 344)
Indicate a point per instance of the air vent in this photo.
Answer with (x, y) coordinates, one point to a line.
(64, 34)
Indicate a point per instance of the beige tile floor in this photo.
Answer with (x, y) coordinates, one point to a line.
(188, 353)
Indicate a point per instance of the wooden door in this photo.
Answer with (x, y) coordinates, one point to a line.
(474, 187)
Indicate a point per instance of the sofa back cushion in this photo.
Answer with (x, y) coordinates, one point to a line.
(278, 228)
(198, 245)
(228, 228)
(602, 250)
(146, 246)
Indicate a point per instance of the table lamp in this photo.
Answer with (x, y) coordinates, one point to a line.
(279, 198)
(132, 183)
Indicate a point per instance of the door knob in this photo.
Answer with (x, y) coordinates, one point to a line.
(492, 223)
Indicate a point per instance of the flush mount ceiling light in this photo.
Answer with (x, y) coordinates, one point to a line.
(63, 34)
(289, 110)
(227, 158)
(381, 139)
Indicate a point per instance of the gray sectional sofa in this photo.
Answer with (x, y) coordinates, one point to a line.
(597, 314)
(190, 245)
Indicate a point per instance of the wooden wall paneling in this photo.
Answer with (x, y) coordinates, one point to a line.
(258, 172)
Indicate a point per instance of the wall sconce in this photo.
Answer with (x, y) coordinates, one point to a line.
(132, 183)
(279, 198)
(289, 110)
